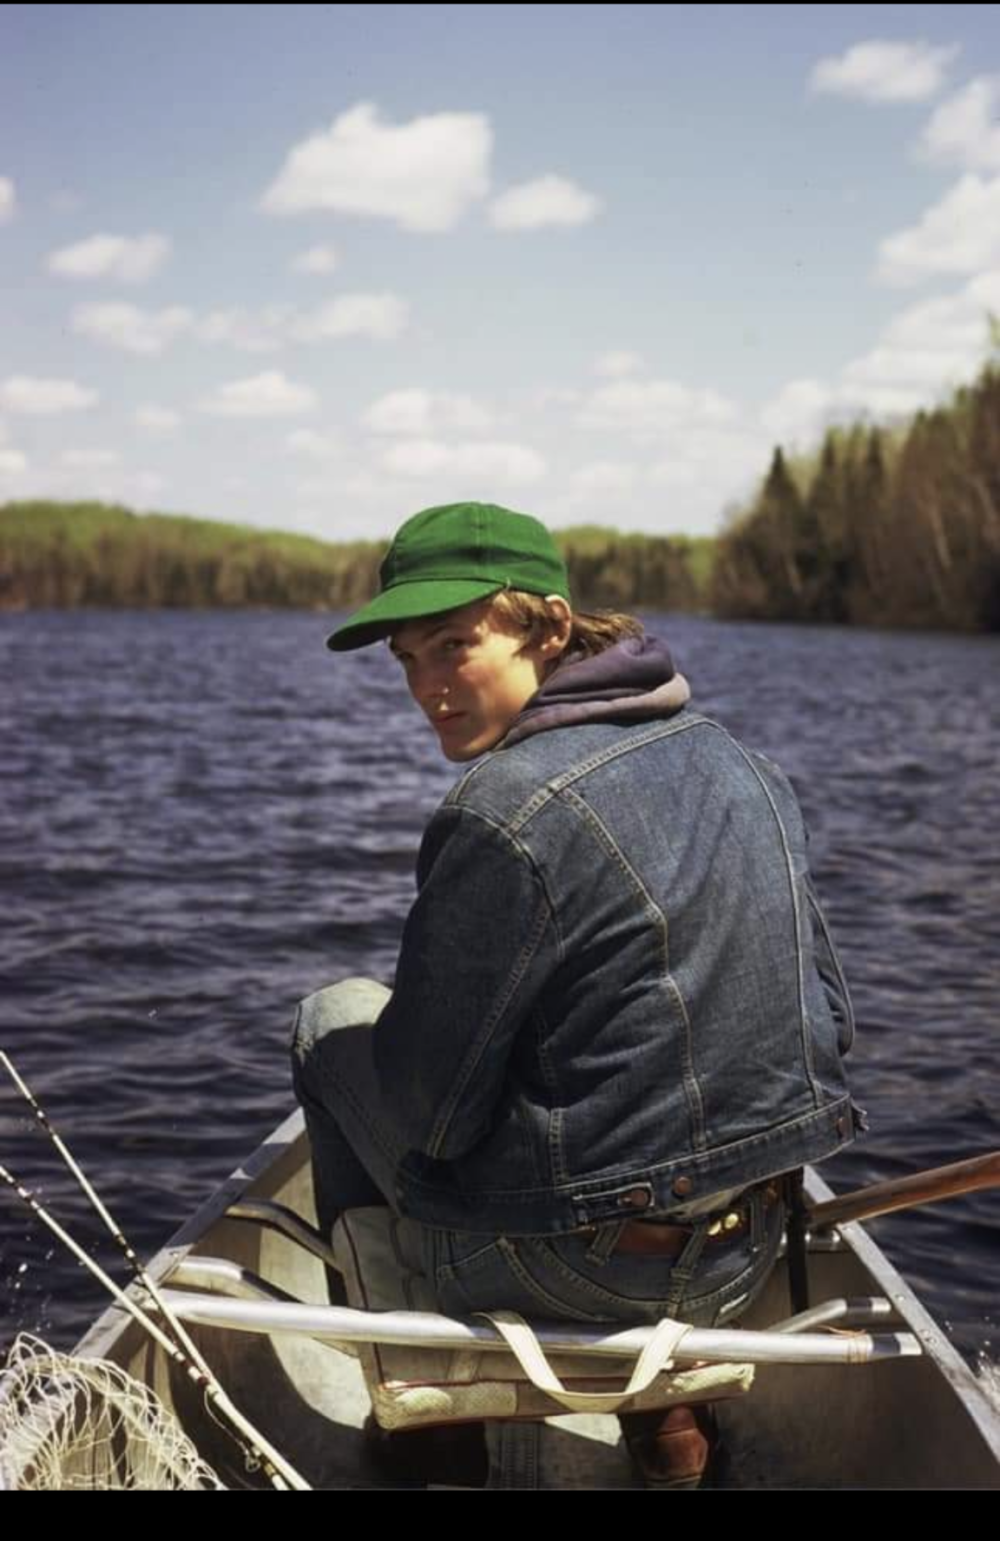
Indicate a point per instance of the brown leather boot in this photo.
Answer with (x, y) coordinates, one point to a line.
(671, 1449)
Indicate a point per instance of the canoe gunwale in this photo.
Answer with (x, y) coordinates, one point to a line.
(273, 1164)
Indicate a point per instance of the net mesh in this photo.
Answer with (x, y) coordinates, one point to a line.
(71, 1423)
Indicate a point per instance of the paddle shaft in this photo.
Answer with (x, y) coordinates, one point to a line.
(943, 1182)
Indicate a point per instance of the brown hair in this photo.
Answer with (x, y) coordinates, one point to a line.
(592, 631)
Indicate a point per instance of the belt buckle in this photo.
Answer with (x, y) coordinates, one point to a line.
(739, 1217)
(726, 1224)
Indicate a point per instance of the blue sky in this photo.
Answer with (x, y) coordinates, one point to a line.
(316, 267)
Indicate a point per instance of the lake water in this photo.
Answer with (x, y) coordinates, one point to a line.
(205, 816)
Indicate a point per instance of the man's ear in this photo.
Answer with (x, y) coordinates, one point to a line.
(562, 619)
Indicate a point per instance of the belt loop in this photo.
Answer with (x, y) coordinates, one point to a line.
(605, 1241)
(758, 1227)
(684, 1269)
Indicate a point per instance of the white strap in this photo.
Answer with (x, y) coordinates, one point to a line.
(656, 1357)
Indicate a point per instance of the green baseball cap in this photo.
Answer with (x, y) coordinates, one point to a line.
(446, 557)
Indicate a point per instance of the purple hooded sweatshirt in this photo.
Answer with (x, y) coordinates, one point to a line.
(632, 681)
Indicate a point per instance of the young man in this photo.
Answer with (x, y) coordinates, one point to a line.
(617, 1014)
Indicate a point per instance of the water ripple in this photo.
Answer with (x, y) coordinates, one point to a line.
(205, 816)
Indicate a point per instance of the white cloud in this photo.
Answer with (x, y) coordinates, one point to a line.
(645, 407)
(547, 398)
(960, 234)
(26, 393)
(423, 174)
(605, 476)
(712, 457)
(927, 349)
(917, 370)
(90, 459)
(679, 473)
(365, 483)
(312, 487)
(12, 462)
(8, 199)
(618, 364)
(426, 414)
(924, 352)
(117, 485)
(72, 476)
(875, 386)
(318, 259)
(128, 327)
(157, 419)
(548, 200)
(147, 483)
(314, 446)
(698, 469)
(379, 316)
(265, 395)
(513, 464)
(261, 331)
(798, 414)
(133, 260)
(881, 71)
(965, 130)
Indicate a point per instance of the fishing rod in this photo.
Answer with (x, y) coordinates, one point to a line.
(183, 1351)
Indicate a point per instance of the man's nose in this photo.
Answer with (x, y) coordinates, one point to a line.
(427, 685)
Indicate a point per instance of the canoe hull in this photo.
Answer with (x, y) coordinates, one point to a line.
(922, 1422)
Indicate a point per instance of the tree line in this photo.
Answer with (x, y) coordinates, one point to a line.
(73, 555)
(891, 527)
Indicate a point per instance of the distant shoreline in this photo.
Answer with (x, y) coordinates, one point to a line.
(99, 556)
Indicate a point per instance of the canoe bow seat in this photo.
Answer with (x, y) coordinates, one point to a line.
(379, 1256)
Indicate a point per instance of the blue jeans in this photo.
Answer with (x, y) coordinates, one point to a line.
(576, 1277)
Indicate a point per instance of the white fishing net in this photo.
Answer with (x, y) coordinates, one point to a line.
(69, 1423)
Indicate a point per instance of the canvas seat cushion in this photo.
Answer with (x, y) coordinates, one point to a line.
(380, 1257)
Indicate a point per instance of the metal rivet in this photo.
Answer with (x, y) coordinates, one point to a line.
(682, 1186)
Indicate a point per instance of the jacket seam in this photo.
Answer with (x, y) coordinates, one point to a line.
(546, 917)
(804, 1034)
(599, 830)
(820, 919)
(635, 740)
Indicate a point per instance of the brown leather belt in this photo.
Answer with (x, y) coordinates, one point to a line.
(657, 1238)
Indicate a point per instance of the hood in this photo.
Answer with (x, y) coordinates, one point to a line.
(632, 681)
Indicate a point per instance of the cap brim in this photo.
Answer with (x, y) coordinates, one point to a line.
(407, 602)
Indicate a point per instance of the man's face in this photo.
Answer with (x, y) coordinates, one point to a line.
(468, 676)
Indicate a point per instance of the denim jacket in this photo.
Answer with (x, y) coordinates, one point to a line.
(616, 993)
